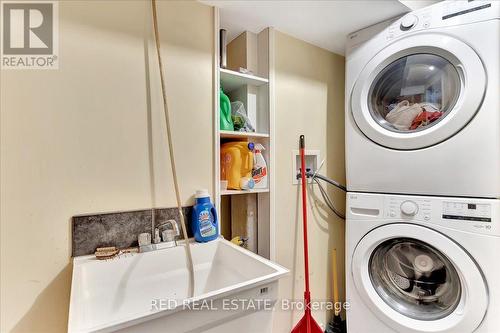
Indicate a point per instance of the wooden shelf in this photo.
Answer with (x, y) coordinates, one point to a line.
(236, 192)
(232, 80)
(237, 135)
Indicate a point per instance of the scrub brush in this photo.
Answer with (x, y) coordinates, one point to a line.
(103, 253)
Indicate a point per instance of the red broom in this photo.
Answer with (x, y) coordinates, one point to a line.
(307, 324)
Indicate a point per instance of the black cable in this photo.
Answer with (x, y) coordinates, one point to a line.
(310, 174)
(327, 200)
(326, 197)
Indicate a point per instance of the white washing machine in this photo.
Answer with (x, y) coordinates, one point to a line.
(422, 264)
(423, 103)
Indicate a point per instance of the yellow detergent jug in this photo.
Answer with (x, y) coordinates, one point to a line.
(236, 163)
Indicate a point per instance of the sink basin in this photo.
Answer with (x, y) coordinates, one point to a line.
(148, 292)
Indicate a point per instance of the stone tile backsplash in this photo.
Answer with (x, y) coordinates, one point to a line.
(118, 229)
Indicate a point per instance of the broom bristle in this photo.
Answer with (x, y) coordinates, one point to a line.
(336, 325)
(307, 325)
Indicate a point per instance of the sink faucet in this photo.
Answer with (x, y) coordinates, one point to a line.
(169, 234)
(168, 230)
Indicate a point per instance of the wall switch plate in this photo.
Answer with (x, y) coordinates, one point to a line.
(312, 162)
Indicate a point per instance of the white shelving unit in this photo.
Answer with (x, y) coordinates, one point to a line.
(240, 135)
(233, 80)
(236, 192)
(253, 207)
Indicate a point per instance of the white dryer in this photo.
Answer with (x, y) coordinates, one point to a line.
(420, 264)
(423, 103)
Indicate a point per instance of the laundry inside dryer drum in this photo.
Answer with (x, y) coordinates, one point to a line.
(414, 93)
(415, 279)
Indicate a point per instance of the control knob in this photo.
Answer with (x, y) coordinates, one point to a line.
(409, 208)
(408, 22)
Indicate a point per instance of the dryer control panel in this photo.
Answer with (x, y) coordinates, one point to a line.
(443, 15)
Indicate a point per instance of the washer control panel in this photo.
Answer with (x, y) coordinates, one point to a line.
(478, 216)
(408, 208)
(453, 210)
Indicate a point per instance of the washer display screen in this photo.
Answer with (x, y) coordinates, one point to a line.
(466, 211)
(415, 279)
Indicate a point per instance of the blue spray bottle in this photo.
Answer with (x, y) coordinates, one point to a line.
(204, 220)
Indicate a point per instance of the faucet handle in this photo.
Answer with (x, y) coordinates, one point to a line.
(144, 239)
(174, 228)
(168, 235)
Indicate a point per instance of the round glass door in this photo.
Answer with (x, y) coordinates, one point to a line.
(414, 92)
(415, 279)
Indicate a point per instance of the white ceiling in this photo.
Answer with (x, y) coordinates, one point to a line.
(324, 23)
(417, 4)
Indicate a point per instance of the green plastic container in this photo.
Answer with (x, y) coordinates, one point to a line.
(226, 123)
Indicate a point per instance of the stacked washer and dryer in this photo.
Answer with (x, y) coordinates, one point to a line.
(423, 171)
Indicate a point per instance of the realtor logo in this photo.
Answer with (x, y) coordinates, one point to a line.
(29, 35)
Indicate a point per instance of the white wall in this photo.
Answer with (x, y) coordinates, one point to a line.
(89, 137)
(310, 101)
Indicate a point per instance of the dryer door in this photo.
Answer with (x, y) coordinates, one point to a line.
(417, 280)
(418, 92)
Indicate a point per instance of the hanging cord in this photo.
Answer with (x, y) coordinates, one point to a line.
(171, 152)
(327, 199)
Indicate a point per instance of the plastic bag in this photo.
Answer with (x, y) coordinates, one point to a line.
(240, 120)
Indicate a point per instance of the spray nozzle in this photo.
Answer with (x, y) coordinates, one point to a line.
(255, 146)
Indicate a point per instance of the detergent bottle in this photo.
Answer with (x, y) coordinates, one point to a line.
(236, 163)
(226, 123)
(204, 219)
(259, 170)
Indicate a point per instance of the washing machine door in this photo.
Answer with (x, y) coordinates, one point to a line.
(415, 279)
(418, 92)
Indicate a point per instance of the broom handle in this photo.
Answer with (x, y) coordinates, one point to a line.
(304, 217)
(335, 281)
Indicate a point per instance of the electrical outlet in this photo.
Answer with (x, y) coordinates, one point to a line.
(312, 162)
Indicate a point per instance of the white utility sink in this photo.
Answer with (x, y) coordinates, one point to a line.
(235, 290)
